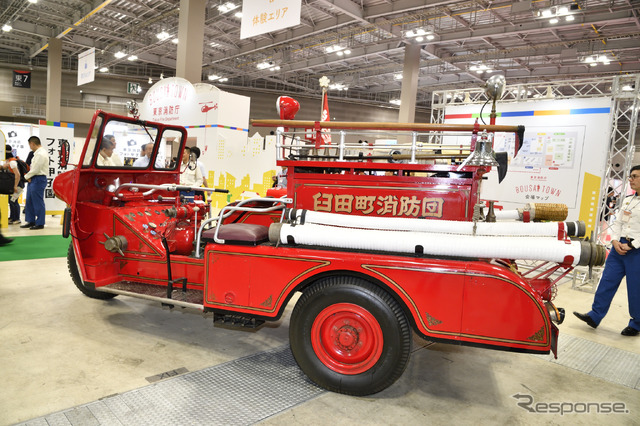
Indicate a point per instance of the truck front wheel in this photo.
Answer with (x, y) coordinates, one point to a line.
(77, 280)
(350, 336)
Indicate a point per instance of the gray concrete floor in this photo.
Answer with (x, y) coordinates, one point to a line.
(61, 349)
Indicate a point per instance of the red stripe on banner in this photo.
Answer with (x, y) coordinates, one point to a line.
(454, 116)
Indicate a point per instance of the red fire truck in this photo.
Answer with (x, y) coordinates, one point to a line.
(352, 235)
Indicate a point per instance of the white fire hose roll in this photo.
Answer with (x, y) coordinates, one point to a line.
(468, 246)
(529, 229)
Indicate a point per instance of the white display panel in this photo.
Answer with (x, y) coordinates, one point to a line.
(565, 142)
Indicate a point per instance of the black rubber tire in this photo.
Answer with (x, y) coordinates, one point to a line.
(392, 321)
(75, 276)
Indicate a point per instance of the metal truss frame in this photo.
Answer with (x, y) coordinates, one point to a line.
(625, 105)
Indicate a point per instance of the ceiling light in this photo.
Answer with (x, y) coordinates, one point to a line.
(338, 86)
(120, 54)
(238, 15)
(547, 13)
(395, 101)
(150, 80)
(104, 69)
(563, 10)
(593, 60)
(174, 41)
(420, 34)
(222, 80)
(163, 35)
(132, 58)
(398, 76)
(276, 68)
(553, 20)
(347, 52)
(263, 65)
(33, 1)
(161, 76)
(627, 88)
(6, 28)
(213, 77)
(569, 18)
(227, 7)
(340, 53)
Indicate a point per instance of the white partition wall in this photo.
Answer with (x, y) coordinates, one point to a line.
(217, 122)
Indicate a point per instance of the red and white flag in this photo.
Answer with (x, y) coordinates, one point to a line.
(326, 133)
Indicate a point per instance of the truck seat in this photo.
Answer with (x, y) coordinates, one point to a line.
(239, 233)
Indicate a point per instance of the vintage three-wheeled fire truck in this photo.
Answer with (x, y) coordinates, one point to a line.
(380, 243)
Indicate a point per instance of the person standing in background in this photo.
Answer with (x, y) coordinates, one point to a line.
(195, 151)
(114, 158)
(34, 209)
(190, 174)
(12, 164)
(623, 261)
(4, 240)
(147, 150)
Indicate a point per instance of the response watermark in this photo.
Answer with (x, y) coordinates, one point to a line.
(528, 403)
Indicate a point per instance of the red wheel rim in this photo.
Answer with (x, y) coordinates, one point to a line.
(347, 338)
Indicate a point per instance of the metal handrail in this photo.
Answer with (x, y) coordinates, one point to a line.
(171, 187)
(230, 209)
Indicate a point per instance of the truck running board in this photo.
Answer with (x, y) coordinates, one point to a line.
(190, 298)
(235, 320)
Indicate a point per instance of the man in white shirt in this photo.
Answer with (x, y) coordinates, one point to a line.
(34, 210)
(143, 161)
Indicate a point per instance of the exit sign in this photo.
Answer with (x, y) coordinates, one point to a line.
(134, 88)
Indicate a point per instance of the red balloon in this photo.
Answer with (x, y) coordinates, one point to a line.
(287, 107)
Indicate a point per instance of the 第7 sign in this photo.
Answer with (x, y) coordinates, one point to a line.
(264, 16)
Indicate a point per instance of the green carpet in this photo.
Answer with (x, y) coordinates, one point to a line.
(36, 247)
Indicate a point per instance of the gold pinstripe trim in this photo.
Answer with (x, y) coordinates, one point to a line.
(320, 264)
(136, 277)
(173, 262)
(474, 336)
(406, 188)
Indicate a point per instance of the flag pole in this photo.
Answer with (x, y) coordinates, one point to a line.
(324, 83)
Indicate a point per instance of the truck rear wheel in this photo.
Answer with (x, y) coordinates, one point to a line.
(350, 336)
(77, 280)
